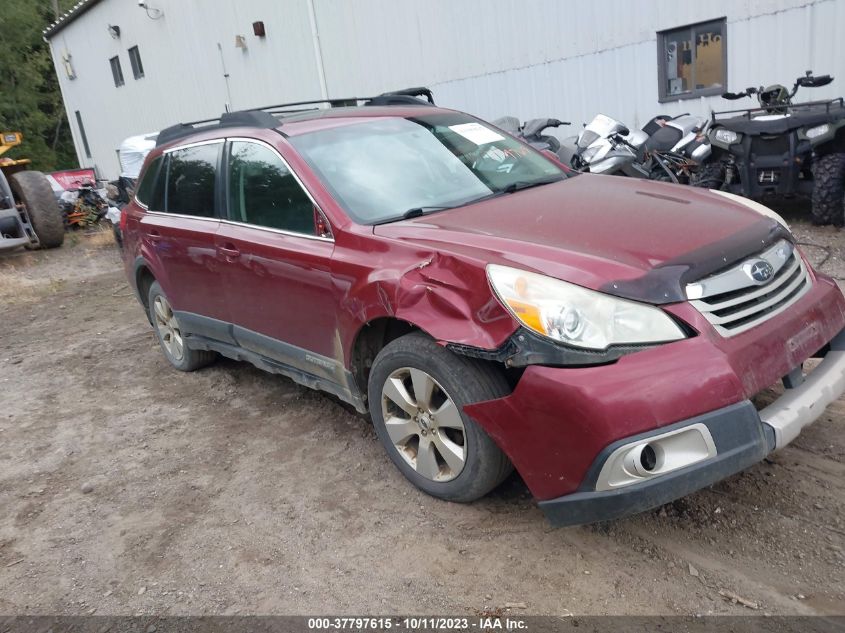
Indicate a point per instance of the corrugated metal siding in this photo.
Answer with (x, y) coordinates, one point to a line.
(182, 65)
(490, 57)
(572, 60)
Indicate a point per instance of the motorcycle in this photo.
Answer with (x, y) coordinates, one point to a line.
(532, 131)
(607, 146)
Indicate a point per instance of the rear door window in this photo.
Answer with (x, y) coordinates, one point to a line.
(264, 192)
(191, 176)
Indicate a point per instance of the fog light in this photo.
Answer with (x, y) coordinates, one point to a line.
(656, 456)
(648, 458)
(643, 460)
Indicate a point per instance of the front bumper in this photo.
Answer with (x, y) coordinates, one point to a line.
(741, 435)
(740, 440)
(559, 423)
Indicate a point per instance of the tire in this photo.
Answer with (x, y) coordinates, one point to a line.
(709, 176)
(34, 191)
(476, 464)
(169, 334)
(829, 189)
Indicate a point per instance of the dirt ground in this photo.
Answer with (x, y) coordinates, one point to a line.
(129, 488)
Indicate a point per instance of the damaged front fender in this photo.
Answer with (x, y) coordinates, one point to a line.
(446, 296)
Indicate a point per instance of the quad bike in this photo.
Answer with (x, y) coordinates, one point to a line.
(29, 214)
(781, 148)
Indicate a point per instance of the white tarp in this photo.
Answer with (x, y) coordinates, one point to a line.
(132, 153)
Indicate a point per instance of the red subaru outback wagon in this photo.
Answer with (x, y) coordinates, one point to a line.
(603, 336)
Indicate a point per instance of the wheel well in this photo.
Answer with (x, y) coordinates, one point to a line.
(143, 281)
(376, 334)
(371, 339)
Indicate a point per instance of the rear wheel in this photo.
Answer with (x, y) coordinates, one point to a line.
(417, 391)
(34, 191)
(829, 189)
(709, 176)
(170, 335)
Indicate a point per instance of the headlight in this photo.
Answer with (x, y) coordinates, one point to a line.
(819, 130)
(577, 316)
(726, 136)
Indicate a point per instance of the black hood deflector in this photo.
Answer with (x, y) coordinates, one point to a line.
(666, 282)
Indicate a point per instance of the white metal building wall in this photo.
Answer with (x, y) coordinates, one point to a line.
(490, 57)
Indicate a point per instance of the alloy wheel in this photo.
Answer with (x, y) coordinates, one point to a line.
(424, 424)
(168, 328)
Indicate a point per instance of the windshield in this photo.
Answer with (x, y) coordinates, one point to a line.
(382, 169)
(601, 126)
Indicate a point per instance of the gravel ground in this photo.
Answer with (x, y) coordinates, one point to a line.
(129, 488)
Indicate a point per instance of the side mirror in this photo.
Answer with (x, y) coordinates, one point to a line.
(623, 131)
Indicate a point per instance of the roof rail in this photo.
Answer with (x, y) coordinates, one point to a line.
(263, 117)
(243, 118)
(408, 96)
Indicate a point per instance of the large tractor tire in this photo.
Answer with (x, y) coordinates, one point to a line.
(34, 191)
(829, 189)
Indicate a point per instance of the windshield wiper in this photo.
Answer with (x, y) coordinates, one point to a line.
(416, 212)
(519, 185)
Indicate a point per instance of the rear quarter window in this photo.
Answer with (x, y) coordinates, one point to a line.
(144, 192)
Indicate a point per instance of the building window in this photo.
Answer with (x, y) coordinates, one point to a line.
(135, 60)
(116, 71)
(82, 134)
(692, 61)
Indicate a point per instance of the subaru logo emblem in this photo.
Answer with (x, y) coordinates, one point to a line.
(759, 270)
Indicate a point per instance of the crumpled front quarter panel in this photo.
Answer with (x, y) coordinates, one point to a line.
(444, 295)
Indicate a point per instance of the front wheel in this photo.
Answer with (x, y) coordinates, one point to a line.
(417, 392)
(829, 189)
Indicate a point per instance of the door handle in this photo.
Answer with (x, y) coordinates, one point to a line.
(154, 235)
(229, 250)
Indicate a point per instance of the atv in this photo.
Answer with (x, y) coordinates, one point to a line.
(781, 148)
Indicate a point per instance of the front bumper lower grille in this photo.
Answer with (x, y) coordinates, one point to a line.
(734, 301)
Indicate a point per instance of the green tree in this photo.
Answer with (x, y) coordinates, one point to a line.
(30, 101)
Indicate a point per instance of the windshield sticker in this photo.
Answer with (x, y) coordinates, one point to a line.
(476, 133)
(494, 153)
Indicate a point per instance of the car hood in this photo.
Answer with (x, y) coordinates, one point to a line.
(632, 238)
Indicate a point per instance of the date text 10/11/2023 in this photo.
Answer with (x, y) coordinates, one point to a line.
(422, 623)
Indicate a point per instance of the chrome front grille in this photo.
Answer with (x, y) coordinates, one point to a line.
(735, 300)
